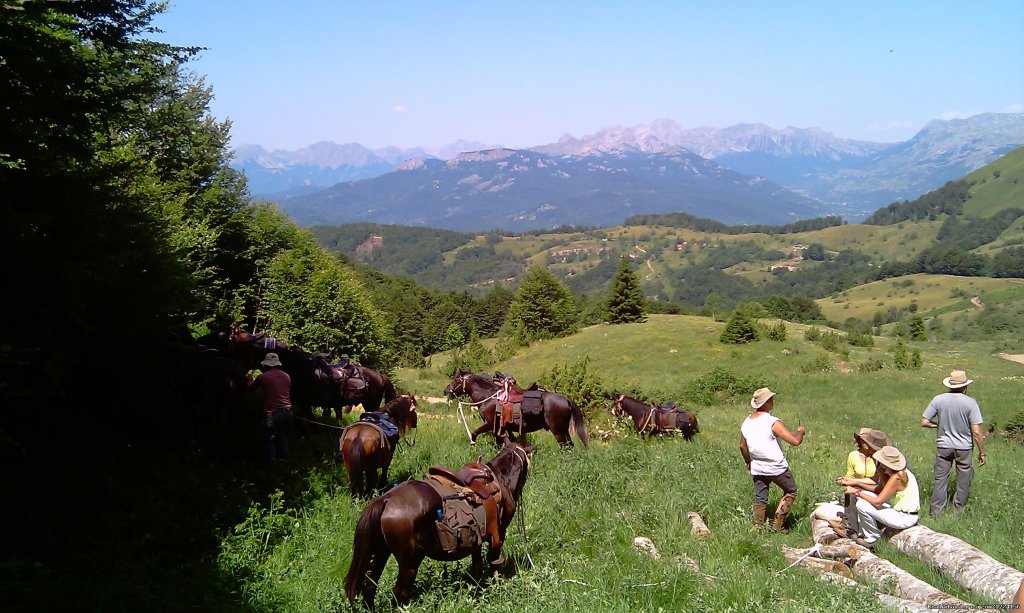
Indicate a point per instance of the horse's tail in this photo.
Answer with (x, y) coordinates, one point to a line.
(366, 544)
(354, 464)
(578, 423)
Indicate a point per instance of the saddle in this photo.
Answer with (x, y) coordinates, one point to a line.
(516, 410)
(470, 511)
(382, 422)
(664, 418)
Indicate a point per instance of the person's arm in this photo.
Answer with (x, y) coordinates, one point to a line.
(888, 491)
(744, 451)
(930, 413)
(779, 429)
(976, 431)
(863, 483)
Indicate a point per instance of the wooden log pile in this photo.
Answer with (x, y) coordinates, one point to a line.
(837, 559)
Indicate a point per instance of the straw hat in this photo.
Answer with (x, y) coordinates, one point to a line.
(956, 380)
(760, 397)
(875, 439)
(890, 457)
(270, 360)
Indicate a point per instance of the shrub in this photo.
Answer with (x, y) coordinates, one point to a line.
(899, 355)
(831, 341)
(812, 334)
(579, 383)
(720, 384)
(1015, 427)
(818, 364)
(872, 364)
(860, 339)
(777, 332)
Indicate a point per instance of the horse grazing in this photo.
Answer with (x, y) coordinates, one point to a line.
(414, 521)
(367, 448)
(556, 412)
(653, 419)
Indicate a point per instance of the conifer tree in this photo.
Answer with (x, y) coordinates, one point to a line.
(543, 306)
(740, 329)
(626, 303)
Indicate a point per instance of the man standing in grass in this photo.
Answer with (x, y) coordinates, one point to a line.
(760, 448)
(957, 417)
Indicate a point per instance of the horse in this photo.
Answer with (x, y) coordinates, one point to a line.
(211, 392)
(366, 449)
(659, 419)
(353, 384)
(557, 414)
(404, 523)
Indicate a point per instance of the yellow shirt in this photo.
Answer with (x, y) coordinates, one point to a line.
(859, 466)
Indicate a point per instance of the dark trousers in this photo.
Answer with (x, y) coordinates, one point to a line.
(275, 433)
(944, 461)
(761, 483)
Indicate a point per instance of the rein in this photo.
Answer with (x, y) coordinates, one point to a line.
(520, 507)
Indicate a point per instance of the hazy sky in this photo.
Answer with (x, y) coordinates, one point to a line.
(518, 74)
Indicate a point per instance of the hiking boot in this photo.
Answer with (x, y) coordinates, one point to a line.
(782, 512)
(759, 513)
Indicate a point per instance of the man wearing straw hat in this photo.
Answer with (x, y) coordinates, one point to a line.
(762, 452)
(957, 417)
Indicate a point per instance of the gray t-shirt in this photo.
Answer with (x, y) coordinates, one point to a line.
(956, 413)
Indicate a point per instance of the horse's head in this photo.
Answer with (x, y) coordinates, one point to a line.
(617, 407)
(458, 386)
(402, 410)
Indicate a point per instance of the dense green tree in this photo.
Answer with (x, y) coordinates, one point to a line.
(313, 301)
(543, 306)
(740, 329)
(625, 303)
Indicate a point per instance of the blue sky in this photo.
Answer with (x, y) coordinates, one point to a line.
(518, 74)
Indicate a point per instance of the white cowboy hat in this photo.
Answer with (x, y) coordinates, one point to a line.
(760, 397)
(956, 380)
(891, 457)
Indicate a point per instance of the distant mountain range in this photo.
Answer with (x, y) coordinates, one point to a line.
(757, 174)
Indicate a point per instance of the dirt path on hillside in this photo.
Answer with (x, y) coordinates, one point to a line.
(650, 268)
(1019, 358)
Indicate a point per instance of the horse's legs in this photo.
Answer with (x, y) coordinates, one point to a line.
(385, 465)
(408, 566)
(486, 427)
(373, 573)
(559, 427)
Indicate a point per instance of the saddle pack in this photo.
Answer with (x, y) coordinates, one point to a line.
(471, 502)
(384, 423)
(518, 408)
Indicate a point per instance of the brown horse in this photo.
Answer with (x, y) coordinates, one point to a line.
(557, 415)
(652, 419)
(367, 452)
(403, 523)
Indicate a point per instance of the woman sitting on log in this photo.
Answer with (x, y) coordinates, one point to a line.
(894, 506)
(860, 469)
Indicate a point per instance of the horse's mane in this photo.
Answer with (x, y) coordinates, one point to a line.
(398, 409)
(503, 464)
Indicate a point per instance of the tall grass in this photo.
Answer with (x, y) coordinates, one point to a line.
(582, 508)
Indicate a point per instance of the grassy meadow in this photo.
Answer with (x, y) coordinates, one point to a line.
(582, 508)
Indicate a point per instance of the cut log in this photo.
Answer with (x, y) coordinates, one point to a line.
(903, 605)
(903, 584)
(842, 549)
(969, 566)
(697, 526)
(800, 557)
(821, 531)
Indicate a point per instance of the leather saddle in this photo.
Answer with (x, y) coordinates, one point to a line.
(664, 418)
(476, 485)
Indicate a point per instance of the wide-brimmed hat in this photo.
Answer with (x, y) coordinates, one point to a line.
(271, 360)
(956, 380)
(875, 439)
(890, 457)
(760, 397)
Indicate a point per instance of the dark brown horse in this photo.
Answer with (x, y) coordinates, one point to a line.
(403, 523)
(557, 415)
(351, 384)
(366, 449)
(653, 419)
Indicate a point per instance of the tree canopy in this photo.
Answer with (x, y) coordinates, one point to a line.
(626, 300)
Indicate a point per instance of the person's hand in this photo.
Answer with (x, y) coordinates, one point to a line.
(981, 459)
(850, 489)
(841, 481)
(800, 430)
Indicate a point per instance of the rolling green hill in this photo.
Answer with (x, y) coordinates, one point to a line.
(969, 227)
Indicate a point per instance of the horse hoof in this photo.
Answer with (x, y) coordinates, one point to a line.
(499, 560)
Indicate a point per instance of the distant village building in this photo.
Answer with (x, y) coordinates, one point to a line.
(366, 247)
